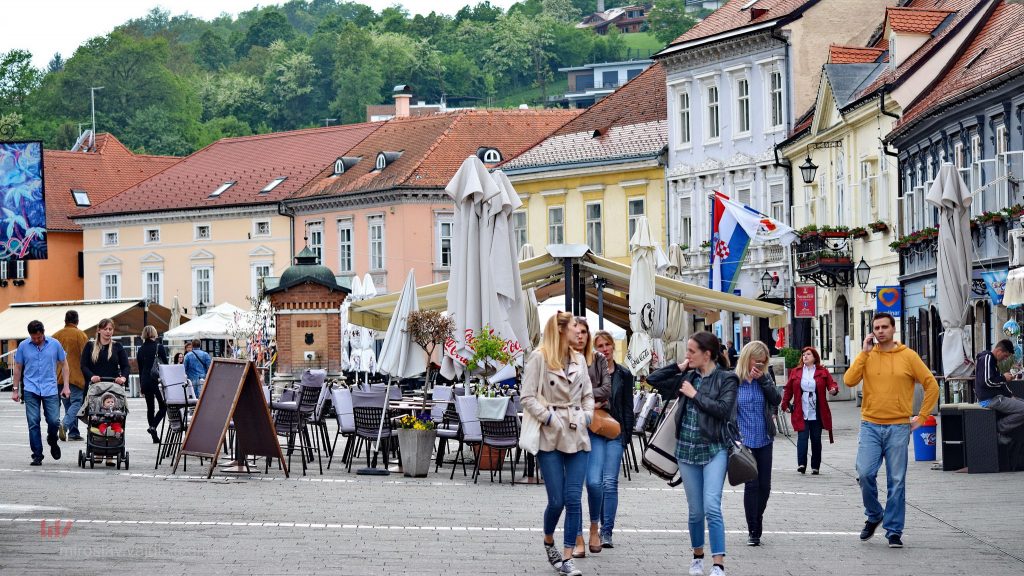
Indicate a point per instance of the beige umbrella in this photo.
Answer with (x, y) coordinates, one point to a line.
(532, 315)
(675, 327)
(641, 299)
(175, 314)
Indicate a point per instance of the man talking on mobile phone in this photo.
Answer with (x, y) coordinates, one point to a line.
(889, 370)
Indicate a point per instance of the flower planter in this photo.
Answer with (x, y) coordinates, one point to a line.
(417, 447)
(837, 234)
(491, 458)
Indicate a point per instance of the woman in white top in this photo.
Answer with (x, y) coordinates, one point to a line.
(806, 388)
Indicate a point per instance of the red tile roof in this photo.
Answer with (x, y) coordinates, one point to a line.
(854, 55)
(915, 20)
(997, 50)
(433, 147)
(102, 173)
(251, 161)
(632, 121)
(731, 17)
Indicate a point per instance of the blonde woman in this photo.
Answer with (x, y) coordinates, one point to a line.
(601, 380)
(105, 358)
(756, 401)
(557, 392)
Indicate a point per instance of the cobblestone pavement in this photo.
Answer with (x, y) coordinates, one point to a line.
(150, 521)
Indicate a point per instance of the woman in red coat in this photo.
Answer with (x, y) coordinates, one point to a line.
(806, 388)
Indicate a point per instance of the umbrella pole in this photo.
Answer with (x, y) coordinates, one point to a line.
(373, 470)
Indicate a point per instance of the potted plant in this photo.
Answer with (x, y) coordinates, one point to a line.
(684, 247)
(428, 329)
(1014, 211)
(416, 436)
(488, 346)
(791, 356)
(993, 218)
(809, 231)
(705, 245)
(834, 232)
(878, 226)
(859, 232)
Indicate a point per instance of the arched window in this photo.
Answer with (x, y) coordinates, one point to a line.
(492, 156)
(382, 161)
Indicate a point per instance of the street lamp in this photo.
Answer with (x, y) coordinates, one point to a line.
(808, 170)
(863, 276)
(200, 308)
(767, 283)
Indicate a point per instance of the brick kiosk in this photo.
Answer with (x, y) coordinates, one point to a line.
(308, 301)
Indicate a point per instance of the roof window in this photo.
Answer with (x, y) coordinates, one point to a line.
(273, 184)
(220, 189)
(344, 163)
(384, 159)
(488, 155)
(81, 198)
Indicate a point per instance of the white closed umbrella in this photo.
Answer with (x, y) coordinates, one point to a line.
(400, 357)
(175, 314)
(532, 317)
(508, 303)
(675, 325)
(368, 337)
(641, 298)
(952, 197)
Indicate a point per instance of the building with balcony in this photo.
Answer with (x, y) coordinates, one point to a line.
(590, 83)
(734, 82)
(627, 19)
(971, 116)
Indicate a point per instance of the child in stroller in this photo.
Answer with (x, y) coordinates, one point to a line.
(103, 412)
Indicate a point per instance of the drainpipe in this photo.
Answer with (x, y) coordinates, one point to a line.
(899, 194)
(881, 106)
(284, 210)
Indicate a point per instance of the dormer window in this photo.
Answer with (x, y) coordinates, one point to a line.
(339, 167)
(382, 162)
(273, 184)
(489, 155)
(81, 198)
(344, 163)
(220, 189)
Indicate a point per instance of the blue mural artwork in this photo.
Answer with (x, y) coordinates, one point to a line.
(23, 217)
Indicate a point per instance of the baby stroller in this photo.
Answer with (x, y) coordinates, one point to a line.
(105, 424)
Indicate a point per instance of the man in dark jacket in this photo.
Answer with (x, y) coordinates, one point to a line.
(993, 393)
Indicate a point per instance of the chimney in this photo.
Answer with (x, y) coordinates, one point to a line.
(402, 95)
(600, 5)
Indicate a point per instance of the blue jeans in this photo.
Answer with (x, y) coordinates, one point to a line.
(703, 485)
(71, 407)
(51, 408)
(603, 480)
(875, 442)
(563, 480)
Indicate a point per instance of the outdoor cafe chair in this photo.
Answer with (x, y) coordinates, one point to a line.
(469, 432)
(640, 428)
(447, 429)
(175, 388)
(292, 418)
(342, 400)
(503, 436)
(367, 408)
(781, 418)
(319, 418)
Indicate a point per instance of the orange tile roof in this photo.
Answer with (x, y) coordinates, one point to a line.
(994, 52)
(915, 20)
(102, 173)
(251, 161)
(433, 147)
(731, 16)
(853, 55)
(642, 99)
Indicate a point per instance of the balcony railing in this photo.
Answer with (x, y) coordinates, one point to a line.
(825, 261)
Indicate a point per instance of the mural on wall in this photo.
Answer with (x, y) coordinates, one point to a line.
(23, 219)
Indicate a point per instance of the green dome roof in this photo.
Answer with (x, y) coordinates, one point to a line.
(306, 269)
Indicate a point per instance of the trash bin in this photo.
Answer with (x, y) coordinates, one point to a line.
(924, 441)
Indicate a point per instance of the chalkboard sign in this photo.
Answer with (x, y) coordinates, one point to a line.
(232, 391)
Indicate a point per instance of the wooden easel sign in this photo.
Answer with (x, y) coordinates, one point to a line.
(232, 392)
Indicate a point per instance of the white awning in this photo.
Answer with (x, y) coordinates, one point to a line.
(1013, 296)
(536, 272)
(127, 316)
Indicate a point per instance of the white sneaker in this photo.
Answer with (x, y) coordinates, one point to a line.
(716, 571)
(697, 567)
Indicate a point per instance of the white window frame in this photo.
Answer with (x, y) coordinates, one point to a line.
(111, 284)
(196, 272)
(712, 113)
(742, 107)
(958, 155)
(594, 226)
(556, 230)
(146, 236)
(199, 238)
(631, 218)
(443, 220)
(254, 268)
(491, 156)
(776, 102)
(81, 198)
(273, 184)
(1002, 140)
(256, 229)
(159, 284)
(521, 233)
(222, 189)
(744, 189)
(315, 234)
(381, 162)
(685, 126)
(111, 238)
(346, 247)
(378, 247)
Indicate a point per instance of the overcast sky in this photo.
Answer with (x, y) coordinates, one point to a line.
(44, 27)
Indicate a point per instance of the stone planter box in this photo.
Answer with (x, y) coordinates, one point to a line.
(417, 447)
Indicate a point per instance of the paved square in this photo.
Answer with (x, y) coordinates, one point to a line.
(60, 519)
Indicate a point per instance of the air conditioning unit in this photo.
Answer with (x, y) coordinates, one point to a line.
(309, 355)
(1016, 247)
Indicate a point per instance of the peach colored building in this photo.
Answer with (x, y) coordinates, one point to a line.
(382, 208)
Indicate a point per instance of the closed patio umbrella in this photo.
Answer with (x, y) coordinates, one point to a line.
(675, 325)
(952, 197)
(641, 298)
(175, 314)
(368, 337)
(532, 316)
(400, 357)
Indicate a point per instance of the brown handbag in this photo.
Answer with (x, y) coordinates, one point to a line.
(604, 425)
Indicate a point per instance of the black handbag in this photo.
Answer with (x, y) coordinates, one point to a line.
(742, 467)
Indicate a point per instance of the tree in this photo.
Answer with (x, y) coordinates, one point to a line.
(271, 25)
(212, 51)
(289, 81)
(221, 127)
(17, 79)
(56, 63)
(67, 135)
(154, 130)
(358, 80)
(561, 10)
(669, 20)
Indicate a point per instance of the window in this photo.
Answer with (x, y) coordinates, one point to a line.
(19, 269)
(345, 246)
(742, 106)
(221, 189)
(684, 118)
(556, 225)
(153, 280)
(151, 235)
(111, 285)
(595, 235)
(1002, 140)
(261, 228)
(202, 285)
(743, 195)
(376, 242)
(202, 232)
(975, 148)
(339, 167)
(382, 161)
(445, 228)
(273, 184)
(776, 113)
(686, 219)
(519, 230)
(635, 209)
(259, 272)
(633, 72)
(841, 205)
(491, 156)
(316, 240)
(610, 79)
(110, 238)
(81, 198)
(958, 155)
(713, 125)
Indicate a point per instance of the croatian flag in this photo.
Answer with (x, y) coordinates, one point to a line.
(734, 227)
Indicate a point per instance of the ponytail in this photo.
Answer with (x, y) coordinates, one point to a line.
(708, 342)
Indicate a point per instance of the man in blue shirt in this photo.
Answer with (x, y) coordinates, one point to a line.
(197, 363)
(35, 365)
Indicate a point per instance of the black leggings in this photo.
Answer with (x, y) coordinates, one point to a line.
(812, 432)
(154, 419)
(757, 491)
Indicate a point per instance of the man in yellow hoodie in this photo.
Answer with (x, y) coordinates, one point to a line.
(889, 370)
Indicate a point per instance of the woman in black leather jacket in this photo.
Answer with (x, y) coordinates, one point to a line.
(707, 389)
